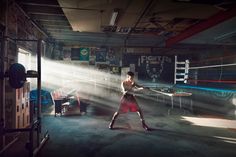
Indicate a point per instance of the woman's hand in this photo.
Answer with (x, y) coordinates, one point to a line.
(140, 88)
(124, 92)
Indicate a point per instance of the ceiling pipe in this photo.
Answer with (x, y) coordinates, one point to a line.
(40, 29)
(210, 22)
(137, 22)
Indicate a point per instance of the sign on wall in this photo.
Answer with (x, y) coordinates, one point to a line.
(101, 54)
(74, 54)
(152, 68)
(84, 54)
(113, 59)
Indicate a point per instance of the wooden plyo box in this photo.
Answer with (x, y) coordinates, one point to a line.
(17, 108)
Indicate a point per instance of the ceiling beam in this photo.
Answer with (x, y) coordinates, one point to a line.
(57, 23)
(59, 30)
(46, 20)
(47, 14)
(37, 2)
(56, 26)
(104, 39)
(109, 43)
(210, 22)
(43, 9)
(103, 35)
(49, 18)
(40, 4)
(58, 6)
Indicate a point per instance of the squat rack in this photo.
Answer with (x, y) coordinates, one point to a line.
(34, 125)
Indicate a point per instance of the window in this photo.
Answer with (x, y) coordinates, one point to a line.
(24, 58)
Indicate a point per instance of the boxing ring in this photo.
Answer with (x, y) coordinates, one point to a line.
(191, 77)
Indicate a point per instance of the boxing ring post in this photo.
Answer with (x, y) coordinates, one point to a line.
(181, 71)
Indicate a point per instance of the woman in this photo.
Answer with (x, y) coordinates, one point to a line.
(128, 101)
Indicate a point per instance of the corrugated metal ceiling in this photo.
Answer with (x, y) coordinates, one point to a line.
(140, 22)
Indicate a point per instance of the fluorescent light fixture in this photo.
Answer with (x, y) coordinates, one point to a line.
(184, 0)
(113, 18)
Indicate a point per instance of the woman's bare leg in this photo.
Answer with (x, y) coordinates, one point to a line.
(143, 121)
(113, 120)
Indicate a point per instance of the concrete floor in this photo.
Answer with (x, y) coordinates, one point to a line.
(88, 135)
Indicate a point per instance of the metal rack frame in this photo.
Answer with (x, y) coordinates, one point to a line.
(36, 125)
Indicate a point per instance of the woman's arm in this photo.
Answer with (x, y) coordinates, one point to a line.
(123, 88)
(138, 86)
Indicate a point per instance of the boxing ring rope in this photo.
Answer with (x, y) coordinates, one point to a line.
(187, 67)
(231, 81)
(212, 66)
(214, 81)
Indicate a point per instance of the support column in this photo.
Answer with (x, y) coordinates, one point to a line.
(3, 52)
(39, 50)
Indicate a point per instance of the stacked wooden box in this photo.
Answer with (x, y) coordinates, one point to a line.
(17, 107)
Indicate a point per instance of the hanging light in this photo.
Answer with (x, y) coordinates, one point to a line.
(113, 17)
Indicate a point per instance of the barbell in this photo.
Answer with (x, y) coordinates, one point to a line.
(17, 75)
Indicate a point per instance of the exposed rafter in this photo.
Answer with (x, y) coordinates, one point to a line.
(212, 21)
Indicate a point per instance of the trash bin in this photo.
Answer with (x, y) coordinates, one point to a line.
(58, 103)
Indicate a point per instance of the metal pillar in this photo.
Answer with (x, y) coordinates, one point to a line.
(39, 48)
(2, 69)
(2, 89)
